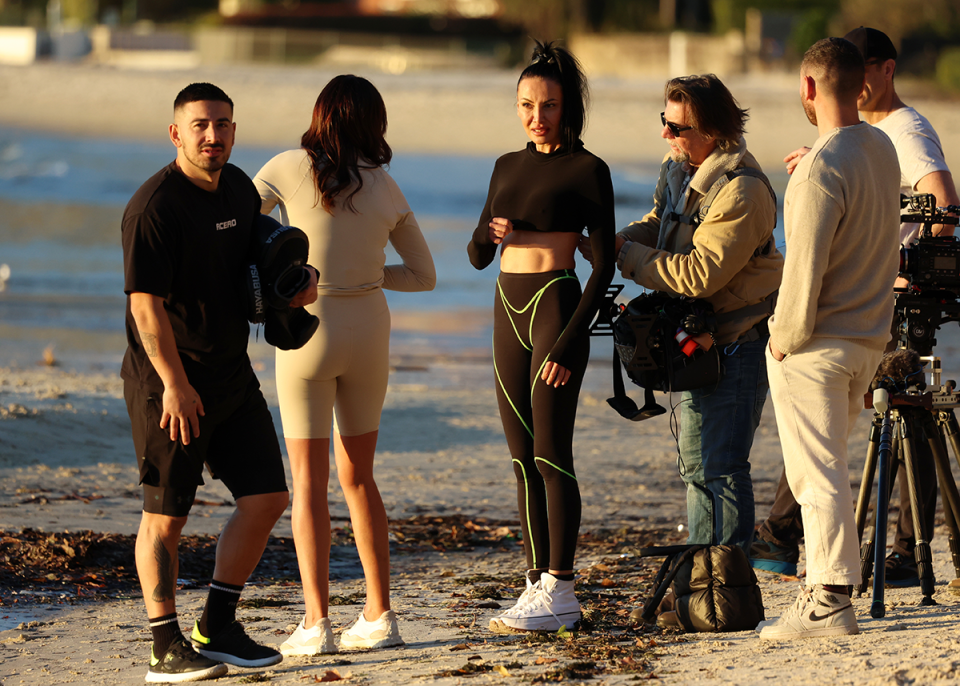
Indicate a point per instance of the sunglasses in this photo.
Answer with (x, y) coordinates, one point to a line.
(675, 129)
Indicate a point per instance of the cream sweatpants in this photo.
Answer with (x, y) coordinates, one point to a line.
(817, 394)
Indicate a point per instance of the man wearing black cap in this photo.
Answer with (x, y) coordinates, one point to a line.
(923, 169)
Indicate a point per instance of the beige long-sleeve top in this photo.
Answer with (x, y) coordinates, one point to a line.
(348, 247)
(841, 220)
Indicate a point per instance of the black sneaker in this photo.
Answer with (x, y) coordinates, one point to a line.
(769, 557)
(900, 571)
(233, 646)
(182, 663)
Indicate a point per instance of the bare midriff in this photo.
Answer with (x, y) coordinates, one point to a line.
(534, 252)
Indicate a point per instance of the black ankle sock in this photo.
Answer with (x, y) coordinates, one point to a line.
(533, 575)
(165, 629)
(565, 577)
(221, 608)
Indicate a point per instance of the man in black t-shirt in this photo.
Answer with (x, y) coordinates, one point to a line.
(190, 389)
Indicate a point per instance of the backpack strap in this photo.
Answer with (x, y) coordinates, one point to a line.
(727, 178)
(718, 185)
(676, 557)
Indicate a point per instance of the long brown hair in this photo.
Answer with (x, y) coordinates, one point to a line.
(347, 131)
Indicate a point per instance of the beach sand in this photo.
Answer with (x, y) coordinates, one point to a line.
(66, 461)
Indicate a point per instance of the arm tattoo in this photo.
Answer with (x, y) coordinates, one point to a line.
(165, 587)
(150, 344)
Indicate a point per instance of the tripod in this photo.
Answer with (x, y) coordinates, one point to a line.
(906, 418)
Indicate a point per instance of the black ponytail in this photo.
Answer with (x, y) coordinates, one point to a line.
(549, 61)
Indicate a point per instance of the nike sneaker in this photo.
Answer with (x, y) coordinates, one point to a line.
(816, 612)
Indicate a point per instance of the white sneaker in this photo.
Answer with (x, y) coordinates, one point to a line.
(555, 606)
(381, 633)
(529, 593)
(816, 612)
(315, 641)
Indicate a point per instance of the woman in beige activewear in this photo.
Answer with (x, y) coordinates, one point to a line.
(335, 189)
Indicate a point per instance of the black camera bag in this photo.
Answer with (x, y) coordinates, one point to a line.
(645, 344)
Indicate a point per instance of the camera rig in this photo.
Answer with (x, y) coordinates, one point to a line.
(907, 414)
(932, 266)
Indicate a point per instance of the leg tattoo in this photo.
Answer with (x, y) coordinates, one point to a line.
(165, 586)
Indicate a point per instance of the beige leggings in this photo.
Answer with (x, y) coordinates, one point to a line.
(343, 366)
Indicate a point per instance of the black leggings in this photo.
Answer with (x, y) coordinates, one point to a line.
(530, 313)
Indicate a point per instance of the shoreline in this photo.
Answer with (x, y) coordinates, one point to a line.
(471, 112)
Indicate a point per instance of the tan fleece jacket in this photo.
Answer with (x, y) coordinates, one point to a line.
(842, 220)
(729, 260)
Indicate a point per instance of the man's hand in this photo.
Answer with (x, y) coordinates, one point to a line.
(182, 409)
(309, 293)
(500, 228)
(775, 351)
(555, 375)
(793, 159)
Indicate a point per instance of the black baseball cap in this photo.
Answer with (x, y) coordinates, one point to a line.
(873, 44)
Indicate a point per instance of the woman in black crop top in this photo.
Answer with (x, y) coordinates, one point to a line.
(540, 201)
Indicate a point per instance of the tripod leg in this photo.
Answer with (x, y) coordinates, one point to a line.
(921, 550)
(869, 472)
(877, 608)
(948, 487)
(863, 504)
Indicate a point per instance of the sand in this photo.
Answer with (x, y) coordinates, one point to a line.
(64, 437)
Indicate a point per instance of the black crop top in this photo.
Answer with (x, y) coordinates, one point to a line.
(562, 191)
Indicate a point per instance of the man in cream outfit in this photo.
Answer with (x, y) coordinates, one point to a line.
(830, 326)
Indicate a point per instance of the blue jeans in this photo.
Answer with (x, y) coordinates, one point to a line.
(717, 424)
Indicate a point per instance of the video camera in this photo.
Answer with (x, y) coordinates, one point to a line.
(930, 261)
(932, 266)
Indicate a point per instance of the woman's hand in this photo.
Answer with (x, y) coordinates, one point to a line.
(555, 375)
(500, 228)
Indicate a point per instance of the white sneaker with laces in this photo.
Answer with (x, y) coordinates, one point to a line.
(816, 612)
(529, 593)
(382, 633)
(555, 606)
(315, 641)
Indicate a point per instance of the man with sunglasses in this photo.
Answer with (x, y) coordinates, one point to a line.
(923, 169)
(710, 236)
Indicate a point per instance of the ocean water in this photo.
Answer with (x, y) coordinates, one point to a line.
(62, 198)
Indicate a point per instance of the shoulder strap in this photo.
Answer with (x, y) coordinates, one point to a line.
(715, 189)
(730, 176)
(624, 404)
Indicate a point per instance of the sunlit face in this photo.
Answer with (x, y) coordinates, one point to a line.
(203, 132)
(689, 146)
(539, 106)
(874, 86)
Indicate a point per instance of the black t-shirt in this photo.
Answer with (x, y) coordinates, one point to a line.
(565, 191)
(188, 246)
